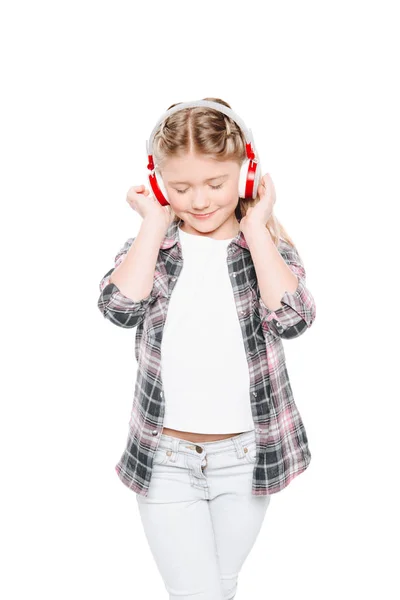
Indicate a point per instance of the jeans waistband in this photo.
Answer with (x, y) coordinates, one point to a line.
(180, 444)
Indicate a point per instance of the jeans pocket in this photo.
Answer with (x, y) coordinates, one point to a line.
(250, 452)
(161, 457)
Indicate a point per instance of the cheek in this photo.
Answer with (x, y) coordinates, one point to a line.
(178, 206)
(229, 198)
(176, 201)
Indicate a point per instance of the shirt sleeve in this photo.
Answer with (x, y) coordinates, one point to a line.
(298, 311)
(114, 305)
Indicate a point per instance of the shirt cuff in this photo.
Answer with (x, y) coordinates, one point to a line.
(291, 315)
(114, 300)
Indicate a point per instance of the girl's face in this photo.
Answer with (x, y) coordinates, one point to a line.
(198, 185)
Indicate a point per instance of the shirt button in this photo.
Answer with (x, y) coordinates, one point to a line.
(154, 432)
(161, 394)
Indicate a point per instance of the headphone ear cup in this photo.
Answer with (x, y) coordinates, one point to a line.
(244, 171)
(243, 177)
(158, 187)
(161, 185)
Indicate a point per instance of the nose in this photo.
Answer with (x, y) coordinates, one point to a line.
(199, 202)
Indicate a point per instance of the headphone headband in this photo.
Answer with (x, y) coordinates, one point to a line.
(208, 104)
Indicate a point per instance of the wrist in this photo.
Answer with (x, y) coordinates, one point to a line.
(153, 227)
(255, 227)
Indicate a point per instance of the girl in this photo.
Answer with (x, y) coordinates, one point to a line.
(213, 283)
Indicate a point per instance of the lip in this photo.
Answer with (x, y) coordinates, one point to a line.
(204, 216)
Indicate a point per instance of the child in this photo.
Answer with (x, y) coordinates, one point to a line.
(213, 283)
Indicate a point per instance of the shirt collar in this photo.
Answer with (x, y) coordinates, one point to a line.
(172, 237)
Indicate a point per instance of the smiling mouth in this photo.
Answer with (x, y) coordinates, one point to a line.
(203, 214)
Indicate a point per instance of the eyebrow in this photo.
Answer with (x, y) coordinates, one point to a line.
(209, 179)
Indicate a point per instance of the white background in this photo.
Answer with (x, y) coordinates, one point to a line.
(82, 86)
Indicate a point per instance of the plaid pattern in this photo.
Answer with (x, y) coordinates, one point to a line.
(282, 444)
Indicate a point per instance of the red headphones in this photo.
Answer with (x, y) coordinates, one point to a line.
(250, 170)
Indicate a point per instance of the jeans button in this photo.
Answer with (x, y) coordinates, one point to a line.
(199, 449)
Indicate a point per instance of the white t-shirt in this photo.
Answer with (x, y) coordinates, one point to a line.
(203, 359)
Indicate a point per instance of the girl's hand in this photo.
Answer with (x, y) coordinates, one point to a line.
(148, 207)
(260, 213)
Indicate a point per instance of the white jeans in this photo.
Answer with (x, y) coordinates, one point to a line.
(200, 517)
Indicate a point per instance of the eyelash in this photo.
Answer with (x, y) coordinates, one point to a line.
(214, 187)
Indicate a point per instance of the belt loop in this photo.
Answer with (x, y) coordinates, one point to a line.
(175, 449)
(238, 445)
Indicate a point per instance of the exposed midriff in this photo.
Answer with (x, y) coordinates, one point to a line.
(198, 437)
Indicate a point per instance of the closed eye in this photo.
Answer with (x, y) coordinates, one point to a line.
(214, 187)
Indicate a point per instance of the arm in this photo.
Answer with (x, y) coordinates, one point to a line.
(128, 288)
(287, 307)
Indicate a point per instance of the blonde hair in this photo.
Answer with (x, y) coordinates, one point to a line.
(206, 131)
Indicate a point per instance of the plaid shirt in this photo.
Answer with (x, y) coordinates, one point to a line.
(282, 444)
